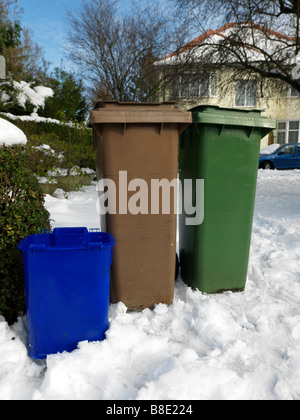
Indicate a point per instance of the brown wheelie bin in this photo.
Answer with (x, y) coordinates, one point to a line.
(134, 142)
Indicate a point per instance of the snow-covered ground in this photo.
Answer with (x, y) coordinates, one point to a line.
(230, 346)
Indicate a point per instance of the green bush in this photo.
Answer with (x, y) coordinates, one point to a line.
(12, 104)
(22, 213)
(75, 134)
(73, 141)
(64, 155)
(40, 159)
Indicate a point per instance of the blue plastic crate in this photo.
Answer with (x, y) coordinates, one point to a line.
(67, 284)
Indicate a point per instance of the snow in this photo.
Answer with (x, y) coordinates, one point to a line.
(46, 149)
(36, 118)
(10, 135)
(78, 210)
(32, 117)
(270, 149)
(243, 346)
(72, 172)
(36, 95)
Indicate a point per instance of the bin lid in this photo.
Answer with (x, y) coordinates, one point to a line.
(113, 112)
(62, 239)
(234, 117)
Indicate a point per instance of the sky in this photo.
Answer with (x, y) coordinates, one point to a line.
(47, 20)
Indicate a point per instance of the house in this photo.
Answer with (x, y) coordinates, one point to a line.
(206, 78)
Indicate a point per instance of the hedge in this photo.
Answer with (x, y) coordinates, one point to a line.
(22, 213)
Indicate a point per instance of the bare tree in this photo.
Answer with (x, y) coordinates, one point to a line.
(26, 60)
(116, 52)
(264, 41)
(24, 57)
(10, 28)
(10, 12)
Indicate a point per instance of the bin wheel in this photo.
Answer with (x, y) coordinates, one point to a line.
(177, 267)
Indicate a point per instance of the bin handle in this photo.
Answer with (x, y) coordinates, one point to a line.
(37, 247)
(98, 245)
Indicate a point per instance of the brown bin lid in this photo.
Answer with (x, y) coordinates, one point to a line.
(113, 112)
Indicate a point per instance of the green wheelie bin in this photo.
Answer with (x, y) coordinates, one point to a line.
(222, 148)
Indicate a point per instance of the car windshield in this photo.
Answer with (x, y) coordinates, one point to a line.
(276, 150)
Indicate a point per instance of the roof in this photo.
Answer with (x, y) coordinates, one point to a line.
(213, 37)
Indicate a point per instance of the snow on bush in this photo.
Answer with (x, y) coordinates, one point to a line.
(23, 95)
(10, 135)
(36, 95)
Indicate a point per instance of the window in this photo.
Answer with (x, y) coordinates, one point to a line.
(245, 93)
(295, 93)
(281, 133)
(199, 86)
(288, 150)
(213, 85)
(288, 132)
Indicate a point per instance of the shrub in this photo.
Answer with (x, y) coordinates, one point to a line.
(12, 103)
(76, 133)
(74, 142)
(22, 213)
(64, 155)
(42, 157)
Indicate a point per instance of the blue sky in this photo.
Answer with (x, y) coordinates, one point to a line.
(47, 19)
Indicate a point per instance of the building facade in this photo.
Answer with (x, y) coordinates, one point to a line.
(224, 86)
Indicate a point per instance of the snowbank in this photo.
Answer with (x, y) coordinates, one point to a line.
(207, 347)
(10, 135)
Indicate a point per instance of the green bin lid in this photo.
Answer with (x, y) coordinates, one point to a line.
(234, 117)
